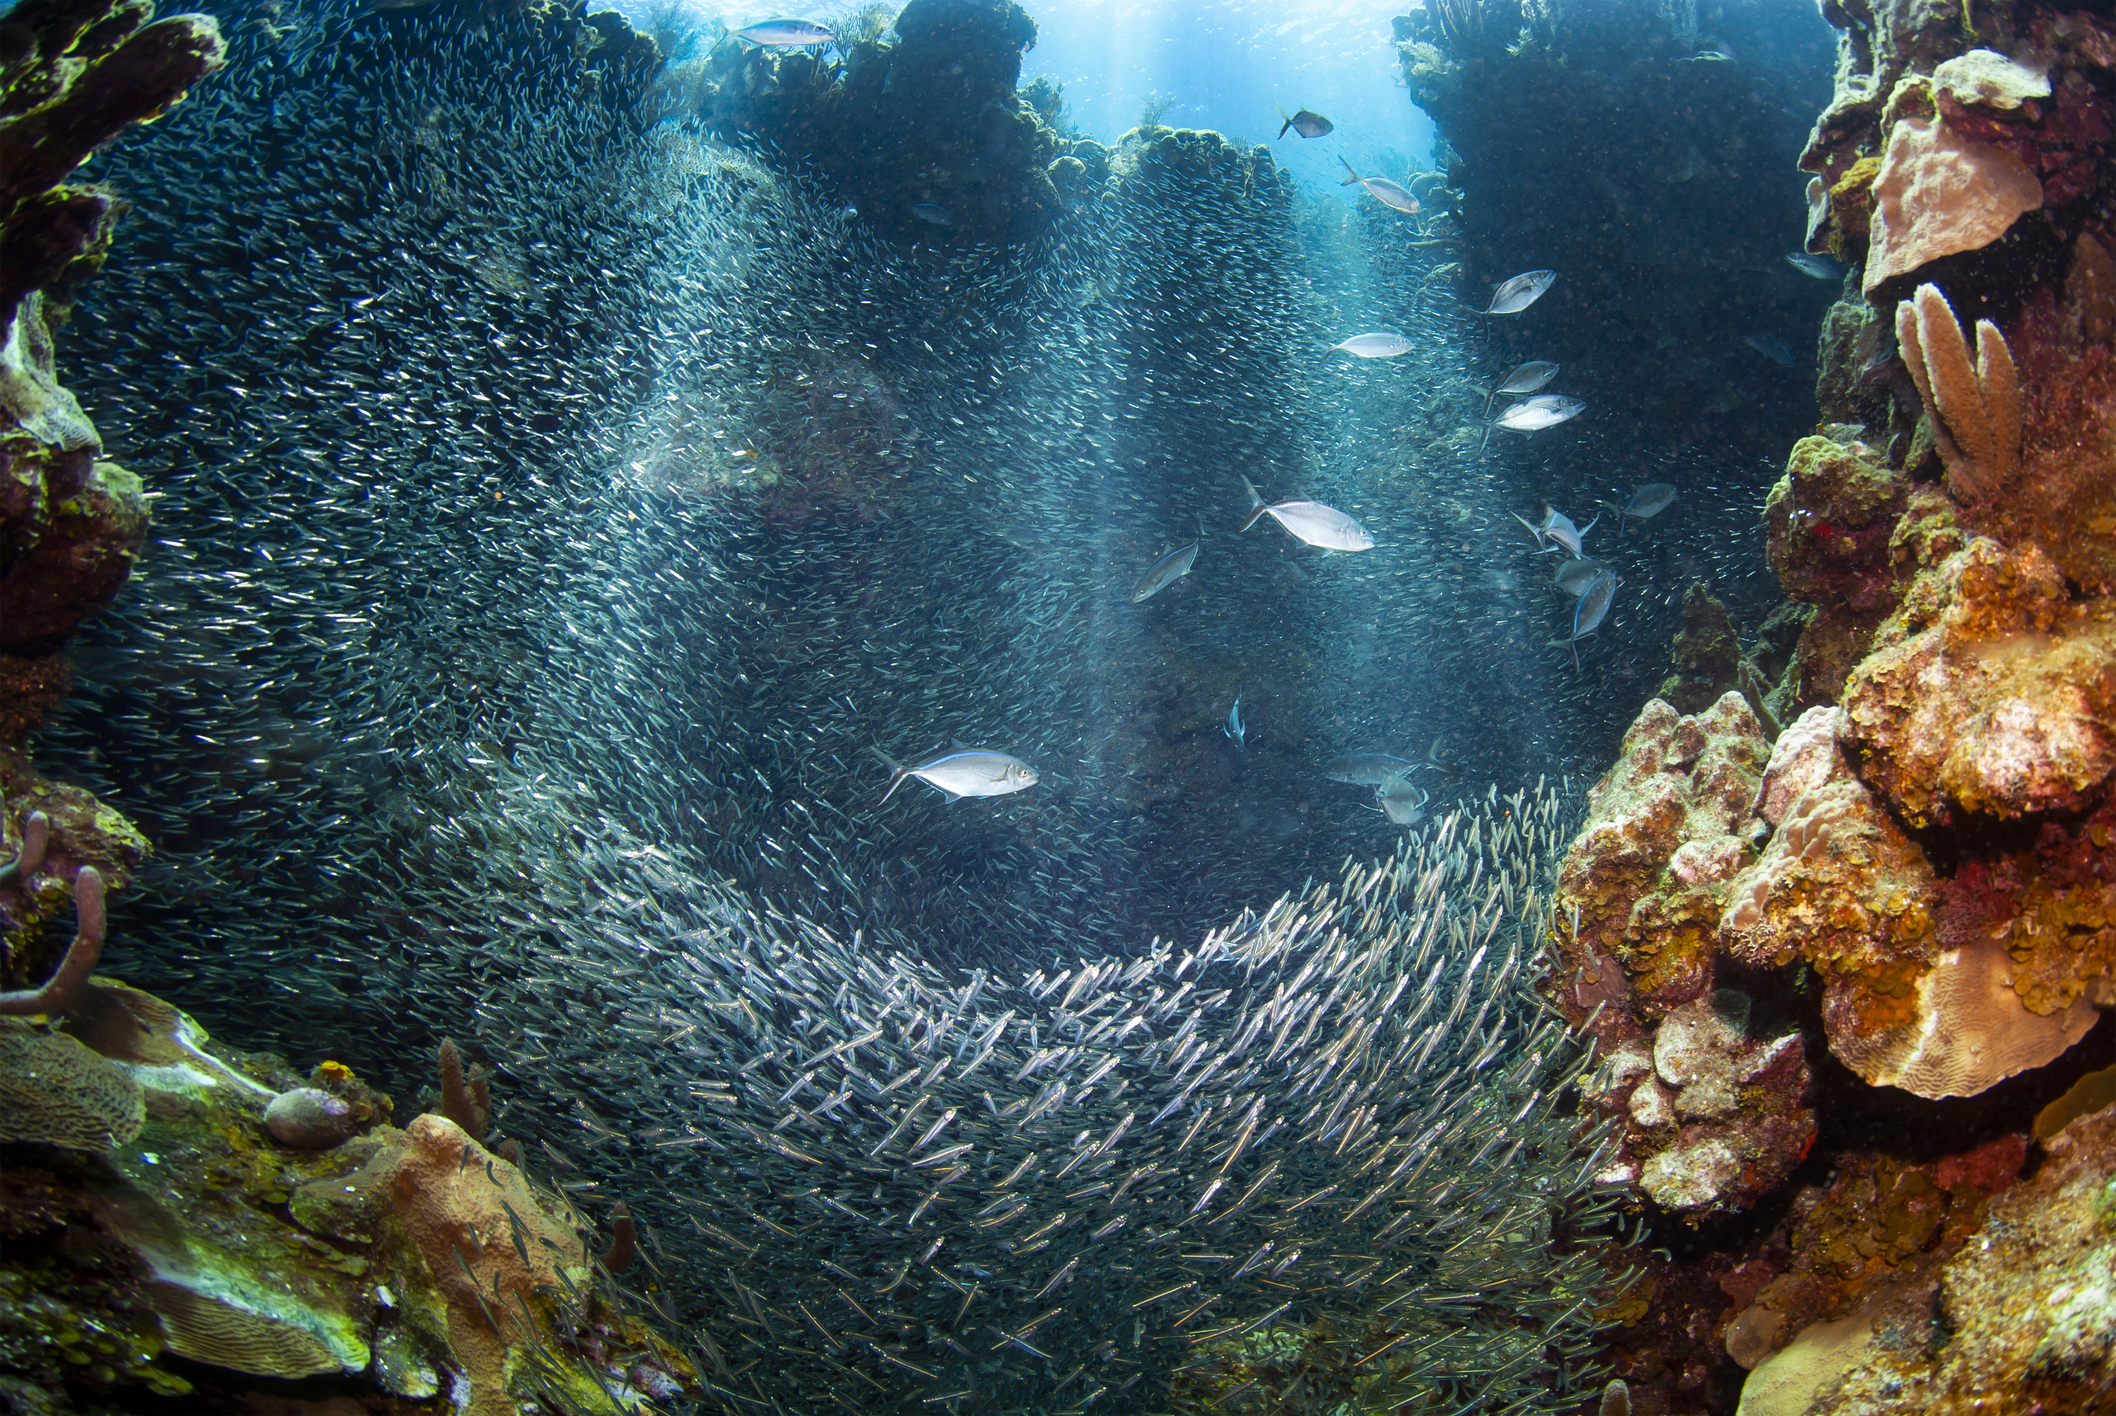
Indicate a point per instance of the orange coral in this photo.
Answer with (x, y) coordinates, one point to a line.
(488, 1244)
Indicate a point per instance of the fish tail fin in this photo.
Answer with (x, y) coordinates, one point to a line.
(1481, 442)
(1250, 520)
(1283, 114)
(1351, 169)
(1256, 505)
(897, 774)
(1486, 414)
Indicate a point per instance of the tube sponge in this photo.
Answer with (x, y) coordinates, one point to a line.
(1975, 410)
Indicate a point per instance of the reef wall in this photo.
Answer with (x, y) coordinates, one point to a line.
(1640, 148)
(1869, 909)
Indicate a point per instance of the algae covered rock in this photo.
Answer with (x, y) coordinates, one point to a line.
(1714, 1109)
(160, 1219)
(1907, 1000)
(2024, 1317)
(1830, 518)
(1988, 694)
(1737, 1102)
(1666, 827)
(926, 137)
(1708, 660)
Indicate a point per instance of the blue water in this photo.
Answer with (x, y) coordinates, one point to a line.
(1219, 65)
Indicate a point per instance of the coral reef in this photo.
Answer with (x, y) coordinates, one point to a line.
(921, 132)
(1924, 889)
(76, 75)
(73, 77)
(156, 1210)
(1986, 693)
(1709, 662)
(2018, 1319)
(1712, 1101)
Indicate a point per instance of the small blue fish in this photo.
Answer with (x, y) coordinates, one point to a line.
(1234, 727)
(1770, 347)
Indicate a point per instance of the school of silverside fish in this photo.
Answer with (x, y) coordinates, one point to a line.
(1342, 1115)
(568, 521)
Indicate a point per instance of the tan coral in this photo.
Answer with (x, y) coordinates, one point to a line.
(454, 1197)
(1975, 411)
(1939, 193)
(1970, 1030)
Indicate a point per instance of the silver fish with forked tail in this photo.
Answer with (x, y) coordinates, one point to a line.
(1575, 576)
(1557, 526)
(963, 772)
(1593, 608)
(1649, 501)
(786, 34)
(1525, 379)
(1388, 193)
(1369, 769)
(1533, 415)
(1517, 294)
(1166, 571)
(1312, 522)
(1308, 125)
(1403, 803)
(1380, 345)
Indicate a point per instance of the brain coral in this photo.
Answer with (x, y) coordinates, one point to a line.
(55, 1092)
